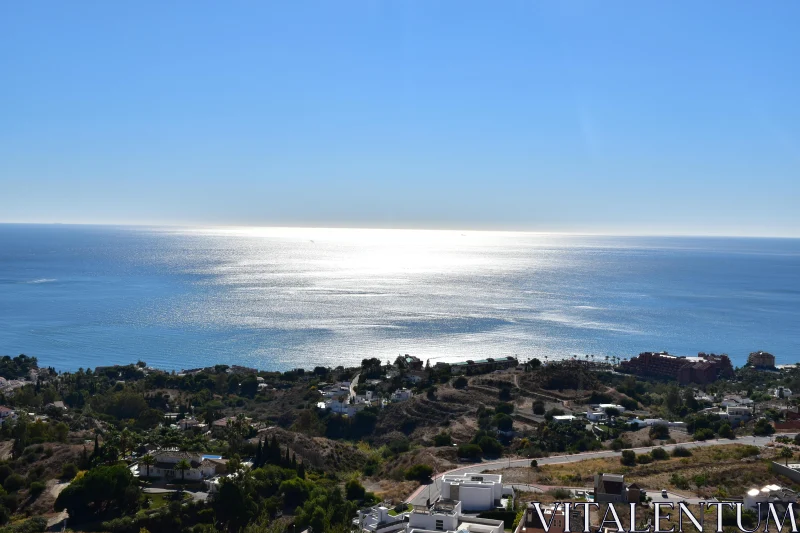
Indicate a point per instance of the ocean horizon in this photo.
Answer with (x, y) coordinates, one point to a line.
(282, 298)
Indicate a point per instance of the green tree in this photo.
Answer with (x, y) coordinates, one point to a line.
(99, 491)
(61, 430)
(628, 458)
(469, 451)
(503, 422)
(785, 454)
(354, 490)
(419, 472)
(69, 471)
(460, 382)
(659, 454)
(673, 399)
(725, 431)
(763, 427)
(442, 439)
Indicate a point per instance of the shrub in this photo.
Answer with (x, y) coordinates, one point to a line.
(644, 459)
(69, 471)
(659, 431)
(490, 445)
(442, 439)
(14, 482)
(460, 382)
(5, 471)
(679, 481)
(725, 431)
(503, 422)
(560, 494)
(538, 407)
(763, 427)
(534, 464)
(703, 434)
(680, 451)
(354, 490)
(505, 408)
(419, 472)
(399, 446)
(37, 487)
(630, 405)
(619, 444)
(470, 451)
(659, 454)
(628, 458)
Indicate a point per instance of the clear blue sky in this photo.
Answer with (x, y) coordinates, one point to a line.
(642, 117)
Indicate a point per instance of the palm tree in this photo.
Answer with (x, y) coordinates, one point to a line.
(786, 453)
(183, 465)
(148, 460)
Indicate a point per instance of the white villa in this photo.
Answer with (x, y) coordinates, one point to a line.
(200, 467)
(476, 492)
(401, 395)
(445, 515)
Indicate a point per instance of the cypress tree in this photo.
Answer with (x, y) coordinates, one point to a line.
(259, 454)
(274, 451)
(294, 461)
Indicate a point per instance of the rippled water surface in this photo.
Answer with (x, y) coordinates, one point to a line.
(78, 296)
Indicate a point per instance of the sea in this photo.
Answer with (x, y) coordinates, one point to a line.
(282, 298)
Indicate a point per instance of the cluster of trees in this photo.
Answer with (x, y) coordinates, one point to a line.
(497, 418)
(630, 458)
(17, 367)
(102, 491)
(483, 444)
(556, 436)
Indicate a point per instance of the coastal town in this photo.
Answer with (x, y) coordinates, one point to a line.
(394, 445)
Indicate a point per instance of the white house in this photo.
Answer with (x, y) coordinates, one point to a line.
(737, 414)
(166, 460)
(736, 401)
(476, 492)
(604, 406)
(445, 515)
(191, 423)
(563, 418)
(596, 416)
(378, 519)
(401, 395)
(782, 392)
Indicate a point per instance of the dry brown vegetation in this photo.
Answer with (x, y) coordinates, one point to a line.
(320, 453)
(721, 471)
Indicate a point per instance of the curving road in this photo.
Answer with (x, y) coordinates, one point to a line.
(419, 496)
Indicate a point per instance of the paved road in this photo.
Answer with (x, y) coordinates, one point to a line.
(353, 385)
(419, 496)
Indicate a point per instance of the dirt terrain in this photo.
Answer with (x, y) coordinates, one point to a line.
(717, 471)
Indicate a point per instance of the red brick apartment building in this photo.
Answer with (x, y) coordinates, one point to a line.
(702, 369)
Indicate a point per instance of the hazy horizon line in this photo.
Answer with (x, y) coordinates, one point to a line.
(345, 226)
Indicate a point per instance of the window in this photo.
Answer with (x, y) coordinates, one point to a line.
(440, 525)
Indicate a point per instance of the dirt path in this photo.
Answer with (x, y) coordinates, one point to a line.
(55, 490)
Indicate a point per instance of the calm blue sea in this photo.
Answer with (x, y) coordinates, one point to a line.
(81, 296)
